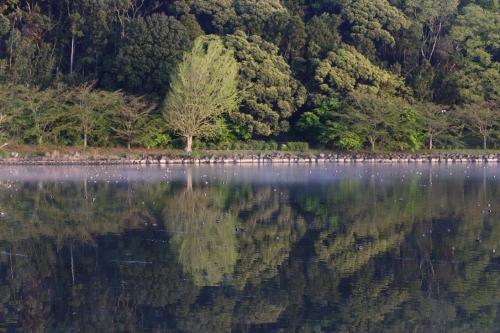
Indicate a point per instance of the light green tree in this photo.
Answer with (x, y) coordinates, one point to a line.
(203, 88)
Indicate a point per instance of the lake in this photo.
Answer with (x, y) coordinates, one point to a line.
(323, 248)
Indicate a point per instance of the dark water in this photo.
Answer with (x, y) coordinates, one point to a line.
(248, 249)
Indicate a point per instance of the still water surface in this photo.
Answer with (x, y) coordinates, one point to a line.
(250, 249)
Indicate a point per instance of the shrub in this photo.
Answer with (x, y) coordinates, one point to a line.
(295, 146)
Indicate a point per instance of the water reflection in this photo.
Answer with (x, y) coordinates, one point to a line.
(275, 249)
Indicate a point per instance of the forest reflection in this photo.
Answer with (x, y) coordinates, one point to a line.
(371, 251)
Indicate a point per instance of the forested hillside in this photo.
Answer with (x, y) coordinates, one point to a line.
(339, 74)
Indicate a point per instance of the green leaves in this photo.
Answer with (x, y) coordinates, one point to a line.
(477, 36)
(440, 124)
(202, 90)
(374, 20)
(365, 119)
(148, 55)
(129, 118)
(482, 120)
(88, 107)
(293, 56)
(346, 70)
(4, 25)
(269, 93)
(32, 115)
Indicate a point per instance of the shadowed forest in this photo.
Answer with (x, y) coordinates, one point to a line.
(399, 75)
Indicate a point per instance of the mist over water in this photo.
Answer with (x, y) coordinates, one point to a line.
(321, 248)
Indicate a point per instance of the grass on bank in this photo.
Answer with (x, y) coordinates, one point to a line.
(30, 151)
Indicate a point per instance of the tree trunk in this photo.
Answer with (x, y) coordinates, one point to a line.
(72, 56)
(372, 143)
(40, 140)
(485, 143)
(189, 143)
(430, 142)
(436, 38)
(128, 145)
(85, 139)
(10, 53)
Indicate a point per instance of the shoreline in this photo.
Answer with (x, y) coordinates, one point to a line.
(259, 159)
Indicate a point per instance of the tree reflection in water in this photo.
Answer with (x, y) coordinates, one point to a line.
(375, 249)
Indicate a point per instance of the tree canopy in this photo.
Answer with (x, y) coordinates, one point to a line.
(293, 56)
(270, 94)
(203, 88)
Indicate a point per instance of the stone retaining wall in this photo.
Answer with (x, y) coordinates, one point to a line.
(257, 159)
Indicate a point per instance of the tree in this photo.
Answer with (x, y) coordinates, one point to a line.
(438, 121)
(383, 119)
(482, 119)
(42, 110)
(430, 20)
(75, 32)
(88, 106)
(293, 41)
(269, 93)
(477, 37)
(323, 36)
(3, 119)
(29, 59)
(326, 124)
(424, 49)
(148, 54)
(365, 117)
(154, 133)
(253, 15)
(346, 70)
(203, 88)
(373, 21)
(215, 16)
(130, 116)
(33, 113)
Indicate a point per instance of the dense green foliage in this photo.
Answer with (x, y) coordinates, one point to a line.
(295, 57)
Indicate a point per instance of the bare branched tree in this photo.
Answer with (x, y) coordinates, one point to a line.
(131, 117)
